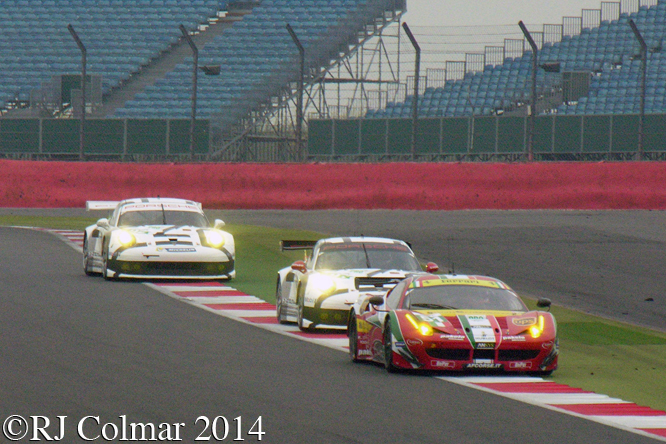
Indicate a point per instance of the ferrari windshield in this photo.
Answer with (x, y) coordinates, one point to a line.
(462, 297)
(162, 217)
(350, 255)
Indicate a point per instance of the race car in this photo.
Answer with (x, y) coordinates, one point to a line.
(319, 291)
(453, 322)
(157, 238)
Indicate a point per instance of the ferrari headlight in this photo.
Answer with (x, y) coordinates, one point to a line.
(423, 327)
(213, 238)
(126, 238)
(322, 283)
(537, 329)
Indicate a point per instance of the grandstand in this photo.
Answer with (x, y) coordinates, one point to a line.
(141, 67)
(600, 44)
(140, 95)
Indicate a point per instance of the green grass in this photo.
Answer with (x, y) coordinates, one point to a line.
(616, 359)
(599, 355)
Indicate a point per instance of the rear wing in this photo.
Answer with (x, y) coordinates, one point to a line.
(289, 245)
(101, 205)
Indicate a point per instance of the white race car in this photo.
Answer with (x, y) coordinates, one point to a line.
(157, 238)
(320, 291)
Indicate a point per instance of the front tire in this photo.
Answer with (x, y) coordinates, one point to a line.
(352, 332)
(388, 349)
(87, 265)
(279, 308)
(301, 322)
(105, 263)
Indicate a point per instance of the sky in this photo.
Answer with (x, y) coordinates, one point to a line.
(447, 29)
(492, 12)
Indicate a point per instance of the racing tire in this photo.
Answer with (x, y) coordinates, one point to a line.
(282, 319)
(388, 349)
(300, 323)
(352, 332)
(105, 264)
(87, 266)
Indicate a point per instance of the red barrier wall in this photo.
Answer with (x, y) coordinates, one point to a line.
(422, 186)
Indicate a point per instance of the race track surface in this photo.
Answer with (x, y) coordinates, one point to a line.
(76, 346)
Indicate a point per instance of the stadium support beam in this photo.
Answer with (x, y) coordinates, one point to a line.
(533, 100)
(641, 118)
(84, 55)
(195, 62)
(299, 98)
(417, 75)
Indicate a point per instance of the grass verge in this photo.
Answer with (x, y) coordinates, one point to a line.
(596, 354)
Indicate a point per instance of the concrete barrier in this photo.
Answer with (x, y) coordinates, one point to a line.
(420, 186)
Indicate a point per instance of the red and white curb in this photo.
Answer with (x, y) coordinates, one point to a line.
(231, 303)
(573, 401)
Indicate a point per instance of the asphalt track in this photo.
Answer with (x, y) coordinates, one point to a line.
(77, 346)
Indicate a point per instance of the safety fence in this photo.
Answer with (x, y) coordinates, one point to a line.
(127, 139)
(556, 137)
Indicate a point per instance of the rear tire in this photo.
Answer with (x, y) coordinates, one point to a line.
(352, 332)
(388, 349)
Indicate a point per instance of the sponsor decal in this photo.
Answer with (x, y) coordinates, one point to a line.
(414, 342)
(452, 337)
(520, 365)
(438, 282)
(400, 344)
(363, 326)
(483, 365)
(442, 364)
(524, 322)
(181, 250)
(515, 338)
(485, 345)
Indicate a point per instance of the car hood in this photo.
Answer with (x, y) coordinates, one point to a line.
(165, 233)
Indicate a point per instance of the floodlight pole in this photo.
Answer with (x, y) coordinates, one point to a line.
(641, 118)
(84, 54)
(535, 65)
(417, 74)
(195, 56)
(299, 98)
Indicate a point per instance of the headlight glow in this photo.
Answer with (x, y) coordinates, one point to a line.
(537, 329)
(126, 238)
(322, 283)
(214, 238)
(424, 328)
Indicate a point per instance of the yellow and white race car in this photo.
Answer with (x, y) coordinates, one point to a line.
(157, 238)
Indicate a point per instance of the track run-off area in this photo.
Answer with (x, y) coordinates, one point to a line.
(226, 301)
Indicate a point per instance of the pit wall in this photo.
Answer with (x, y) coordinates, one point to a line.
(412, 186)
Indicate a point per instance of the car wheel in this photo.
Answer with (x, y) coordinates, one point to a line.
(105, 263)
(352, 332)
(300, 317)
(388, 349)
(282, 319)
(87, 265)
